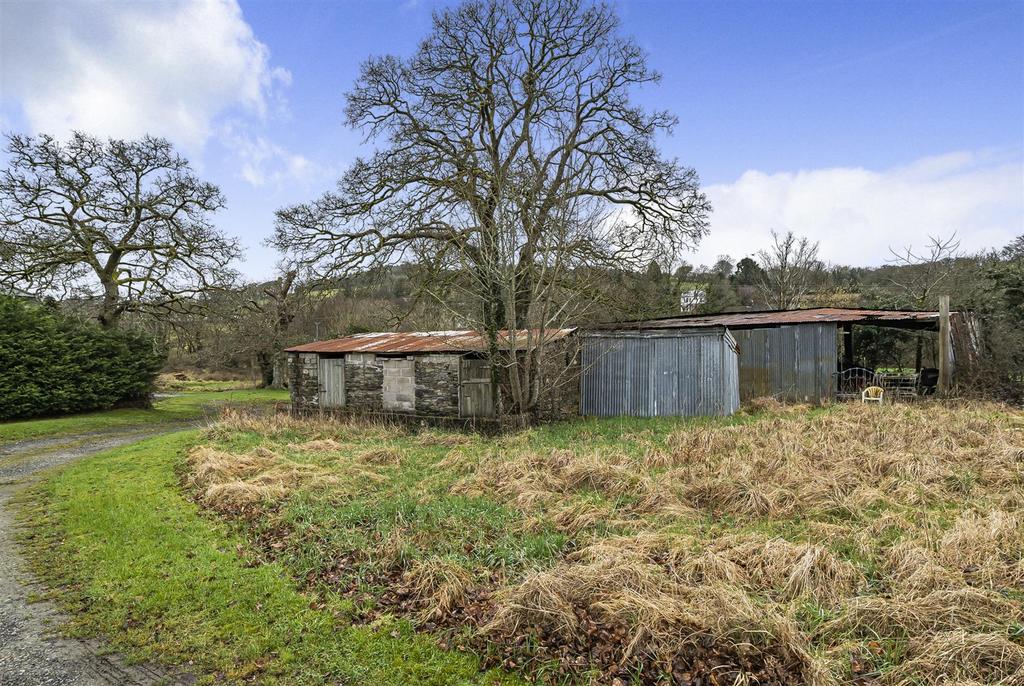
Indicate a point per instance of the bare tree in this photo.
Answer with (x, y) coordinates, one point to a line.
(788, 270)
(919, 275)
(124, 222)
(264, 320)
(511, 151)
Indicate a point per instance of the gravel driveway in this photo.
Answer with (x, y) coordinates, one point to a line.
(31, 652)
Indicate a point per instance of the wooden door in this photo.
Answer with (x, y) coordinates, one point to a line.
(475, 397)
(332, 382)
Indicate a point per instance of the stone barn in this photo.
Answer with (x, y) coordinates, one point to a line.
(442, 374)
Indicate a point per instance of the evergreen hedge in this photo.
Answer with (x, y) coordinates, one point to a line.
(52, 364)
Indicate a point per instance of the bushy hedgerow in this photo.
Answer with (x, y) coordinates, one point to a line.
(52, 364)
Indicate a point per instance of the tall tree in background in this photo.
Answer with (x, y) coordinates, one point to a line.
(924, 271)
(921, 276)
(748, 273)
(124, 222)
(510, 152)
(263, 320)
(789, 269)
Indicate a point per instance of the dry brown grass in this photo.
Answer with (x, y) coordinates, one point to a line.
(936, 577)
(843, 460)
(961, 657)
(533, 478)
(765, 552)
(775, 567)
(618, 585)
(312, 427)
(437, 586)
(320, 445)
(230, 482)
(448, 440)
(381, 456)
(965, 608)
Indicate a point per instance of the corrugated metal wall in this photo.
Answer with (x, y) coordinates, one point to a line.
(795, 362)
(659, 375)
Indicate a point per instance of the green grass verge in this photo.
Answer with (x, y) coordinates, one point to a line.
(193, 385)
(136, 562)
(178, 408)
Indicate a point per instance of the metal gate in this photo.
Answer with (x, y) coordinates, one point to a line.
(475, 397)
(332, 382)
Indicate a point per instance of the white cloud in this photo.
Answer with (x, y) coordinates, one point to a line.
(264, 162)
(857, 214)
(127, 69)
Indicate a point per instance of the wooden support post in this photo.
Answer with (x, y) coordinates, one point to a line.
(944, 356)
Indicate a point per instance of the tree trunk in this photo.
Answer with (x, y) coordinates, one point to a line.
(280, 372)
(265, 361)
(110, 311)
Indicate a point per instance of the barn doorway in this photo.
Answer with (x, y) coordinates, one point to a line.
(475, 395)
(332, 382)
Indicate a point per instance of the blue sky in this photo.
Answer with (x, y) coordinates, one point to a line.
(861, 124)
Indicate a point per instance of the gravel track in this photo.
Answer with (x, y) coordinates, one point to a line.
(32, 653)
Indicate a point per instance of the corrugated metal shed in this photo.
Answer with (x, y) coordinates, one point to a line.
(428, 342)
(678, 373)
(817, 315)
(795, 363)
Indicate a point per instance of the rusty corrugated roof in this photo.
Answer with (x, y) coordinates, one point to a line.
(425, 342)
(753, 320)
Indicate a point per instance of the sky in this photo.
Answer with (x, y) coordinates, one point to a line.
(862, 125)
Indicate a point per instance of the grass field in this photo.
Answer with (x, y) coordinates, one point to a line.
(138, 563)
(852, 545)
(182, 407)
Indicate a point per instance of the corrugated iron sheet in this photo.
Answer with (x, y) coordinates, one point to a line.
(659, 375)
(735, 320)
(795, 363)
(428, 342)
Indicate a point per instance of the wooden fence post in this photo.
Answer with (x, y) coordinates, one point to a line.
(944, 357)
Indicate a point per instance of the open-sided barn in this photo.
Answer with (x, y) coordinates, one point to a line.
(799, 355)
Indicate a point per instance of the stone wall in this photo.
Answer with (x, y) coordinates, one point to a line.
(399, 384)
(304, 380)
(437, 385)
(364, 383)
(426, 385)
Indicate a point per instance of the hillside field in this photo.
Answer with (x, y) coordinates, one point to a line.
(787, 545)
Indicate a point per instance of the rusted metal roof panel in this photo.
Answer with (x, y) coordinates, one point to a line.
(753, 320)
(428, 342)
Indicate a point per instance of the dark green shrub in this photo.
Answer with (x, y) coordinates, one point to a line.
(52, 364)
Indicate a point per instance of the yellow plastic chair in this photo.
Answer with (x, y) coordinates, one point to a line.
(872, 394)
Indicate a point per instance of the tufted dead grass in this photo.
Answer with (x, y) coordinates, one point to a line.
(656, 617)
(876, 473)
(942, 610)
(232, 421)
(230, 482)
(961, 657)
(781, 550)
(844, 460)
(437, 586)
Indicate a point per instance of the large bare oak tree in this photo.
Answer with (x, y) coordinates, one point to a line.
(509, 151)
(789, 270)
(124, 223)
